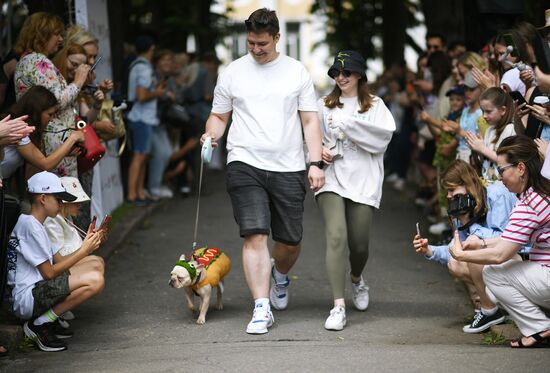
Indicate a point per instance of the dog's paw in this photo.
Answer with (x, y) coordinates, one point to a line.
(192, 308)
(220, 306)
(201, 320)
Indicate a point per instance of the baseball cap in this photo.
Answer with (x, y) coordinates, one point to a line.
(457, 90)
(47, 183)
(73, 186)
(348, 60)
(469, 81)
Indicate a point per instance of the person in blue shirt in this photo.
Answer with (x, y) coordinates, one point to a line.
(476, 211)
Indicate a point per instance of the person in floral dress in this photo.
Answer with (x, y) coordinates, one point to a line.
(41, 37)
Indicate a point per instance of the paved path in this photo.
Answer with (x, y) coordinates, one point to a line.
(140, 324)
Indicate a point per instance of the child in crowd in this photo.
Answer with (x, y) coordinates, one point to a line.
(498, 109)
(43, 283)
(39, 105)
(481, 213)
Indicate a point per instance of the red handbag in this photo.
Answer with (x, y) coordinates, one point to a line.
(91, 148)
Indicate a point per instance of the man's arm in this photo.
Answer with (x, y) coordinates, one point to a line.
(312, 134)
(215, 127)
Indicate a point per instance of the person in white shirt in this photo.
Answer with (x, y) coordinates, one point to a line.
(271, 100)
(357, 128)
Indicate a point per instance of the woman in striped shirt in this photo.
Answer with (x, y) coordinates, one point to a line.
(521, 288)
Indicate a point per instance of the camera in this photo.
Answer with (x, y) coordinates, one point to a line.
(461, 204)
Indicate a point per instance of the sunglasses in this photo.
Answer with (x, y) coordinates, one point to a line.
(501, 169)
(336, 73)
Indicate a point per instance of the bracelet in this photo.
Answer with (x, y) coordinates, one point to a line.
(484, 245)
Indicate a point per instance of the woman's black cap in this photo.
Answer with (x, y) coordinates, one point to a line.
(348, 60)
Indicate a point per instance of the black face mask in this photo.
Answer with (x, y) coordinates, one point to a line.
(461, 204)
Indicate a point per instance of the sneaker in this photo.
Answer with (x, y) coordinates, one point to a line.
(278, 294)
(44, 336)
(420, 202)
(482, 322)
(261, 320)
(68, 316)
(336, 319)
(439, 228)
(162, 192)
(185, 190)
(360, 295)
(392, 178)
(399, 185)
(62, 329)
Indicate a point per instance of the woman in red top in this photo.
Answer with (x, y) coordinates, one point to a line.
(521, 287)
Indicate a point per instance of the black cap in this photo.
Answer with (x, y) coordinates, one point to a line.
(348, 60)
(457, 90)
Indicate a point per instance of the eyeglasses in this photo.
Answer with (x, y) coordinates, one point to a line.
(501, 169)
(336, 73)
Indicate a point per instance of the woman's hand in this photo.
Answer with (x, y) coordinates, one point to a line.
(542, 145)
(81, 75)
(539, 112)
(91, 242)
(326, 156)
(450, 126)
(527, 76)
(106, 85)
(421, 246)
(105, 125)
(455, 248)
(475, 142)
(484, 78)
(99, 96)
(77, 136)
(13, 130)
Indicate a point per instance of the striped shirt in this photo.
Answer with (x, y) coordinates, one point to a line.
(530, 222)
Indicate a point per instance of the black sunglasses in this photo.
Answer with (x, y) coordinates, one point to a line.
(336, 73)
(501, 169)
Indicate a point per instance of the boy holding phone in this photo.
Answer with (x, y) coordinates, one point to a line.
(43, 283)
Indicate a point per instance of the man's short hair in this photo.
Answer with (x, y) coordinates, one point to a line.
(263, 20)
(438, 35)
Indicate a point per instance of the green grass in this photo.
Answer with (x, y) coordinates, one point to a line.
(120, 212)
(493, 339)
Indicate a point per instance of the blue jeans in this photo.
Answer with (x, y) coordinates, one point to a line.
(161, 150)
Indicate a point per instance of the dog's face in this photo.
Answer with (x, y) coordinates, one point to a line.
(179, 277)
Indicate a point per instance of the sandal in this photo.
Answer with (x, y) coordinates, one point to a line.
(540, 342)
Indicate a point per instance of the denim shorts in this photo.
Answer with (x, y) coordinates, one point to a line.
(142, 134)
(266, 200)
(47, 293)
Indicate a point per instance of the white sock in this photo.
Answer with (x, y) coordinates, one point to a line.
(48, 316)
(489, 312)
(280, 278)
(262, 303)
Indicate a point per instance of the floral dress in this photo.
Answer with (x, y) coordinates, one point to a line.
(36, 69)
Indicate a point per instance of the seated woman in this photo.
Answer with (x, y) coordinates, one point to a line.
(479, 213)
(520, 287)
(40, 105)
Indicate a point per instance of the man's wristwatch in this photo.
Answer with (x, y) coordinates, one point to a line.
(318, 164)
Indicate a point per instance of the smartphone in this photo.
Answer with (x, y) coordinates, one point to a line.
(105, 222)
(516, 96)
(418, 229)
(509, 40)
(92, 224)
(96, 62)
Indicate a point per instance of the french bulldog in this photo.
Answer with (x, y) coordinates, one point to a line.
(199, 275)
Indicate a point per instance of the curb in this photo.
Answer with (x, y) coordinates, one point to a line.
(11, 335)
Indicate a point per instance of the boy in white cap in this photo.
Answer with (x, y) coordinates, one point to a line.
(43, 283)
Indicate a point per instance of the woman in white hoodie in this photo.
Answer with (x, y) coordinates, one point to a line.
(357, 128)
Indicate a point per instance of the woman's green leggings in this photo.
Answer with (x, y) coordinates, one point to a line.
(347, 223)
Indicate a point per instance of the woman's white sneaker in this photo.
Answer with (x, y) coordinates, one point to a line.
(360, 295)
(336, 319)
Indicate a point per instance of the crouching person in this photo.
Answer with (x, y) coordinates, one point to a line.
(43, 283)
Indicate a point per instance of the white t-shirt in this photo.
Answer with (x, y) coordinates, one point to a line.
(28, 247)
(63, 235)
(512, 80)
(266, 130)
(489, 170)
(12, 159)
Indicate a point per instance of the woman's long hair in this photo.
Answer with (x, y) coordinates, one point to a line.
(523, 149)
(499, 98)
(363, 96)
(37, 31)
(36, 100)
(460, 173)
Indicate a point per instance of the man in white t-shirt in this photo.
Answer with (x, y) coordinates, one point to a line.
(271, 101)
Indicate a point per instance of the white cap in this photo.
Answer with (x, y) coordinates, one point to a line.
(73, 186)
(47, 183)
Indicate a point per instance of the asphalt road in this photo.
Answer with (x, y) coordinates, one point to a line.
(140, 324)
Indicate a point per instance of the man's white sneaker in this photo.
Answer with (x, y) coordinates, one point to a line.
(439, 228)
(360, 295)
(261, 320)
(278, 294)
(336, 319)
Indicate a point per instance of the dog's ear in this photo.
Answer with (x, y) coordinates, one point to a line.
(182, 257)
